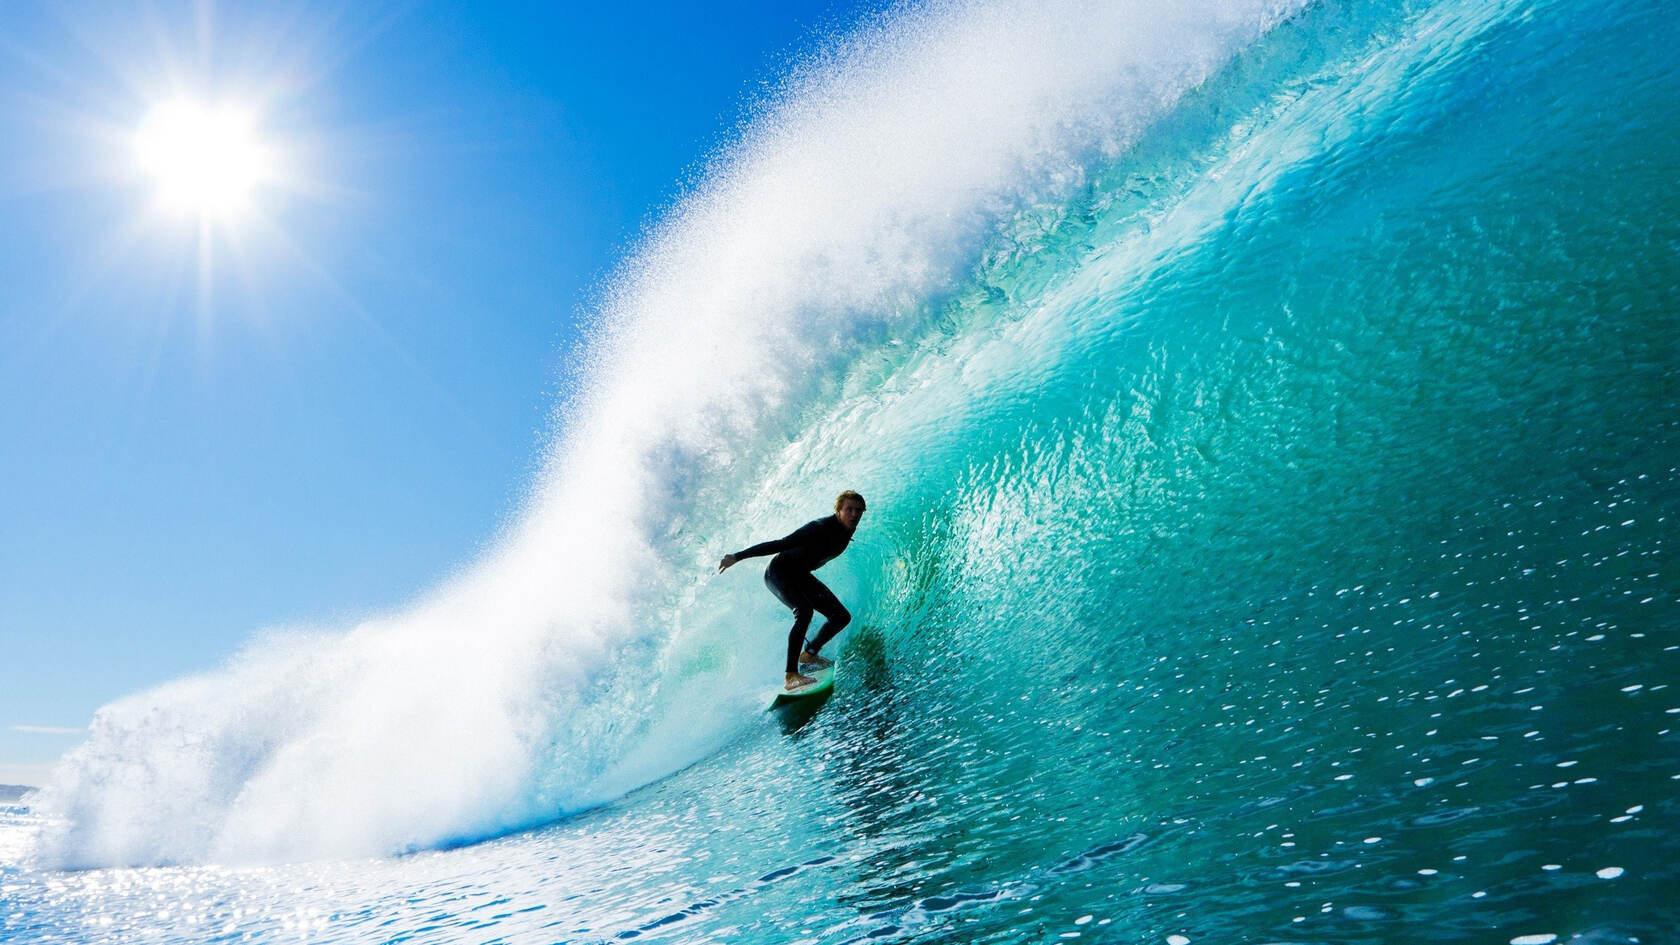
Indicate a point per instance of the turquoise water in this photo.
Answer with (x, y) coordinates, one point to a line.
(1270, 539)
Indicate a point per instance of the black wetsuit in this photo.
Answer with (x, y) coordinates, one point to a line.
(789, 577)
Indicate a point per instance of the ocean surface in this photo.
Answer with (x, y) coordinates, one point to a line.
(1270, 419)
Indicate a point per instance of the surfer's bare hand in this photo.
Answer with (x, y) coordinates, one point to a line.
(727, 562)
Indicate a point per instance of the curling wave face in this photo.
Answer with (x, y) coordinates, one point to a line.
(837, 228)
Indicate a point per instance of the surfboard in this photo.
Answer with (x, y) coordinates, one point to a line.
(822, 687)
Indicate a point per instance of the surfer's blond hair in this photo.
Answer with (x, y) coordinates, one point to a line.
(851, 496)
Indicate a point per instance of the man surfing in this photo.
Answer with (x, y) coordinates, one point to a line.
(789, 577)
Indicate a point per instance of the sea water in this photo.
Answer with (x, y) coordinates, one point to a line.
(1270, 418)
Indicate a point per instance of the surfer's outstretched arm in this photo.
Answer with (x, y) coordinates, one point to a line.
(763, 548)
(777, 546)
(758, 550)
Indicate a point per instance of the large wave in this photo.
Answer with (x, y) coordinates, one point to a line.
(826, 238)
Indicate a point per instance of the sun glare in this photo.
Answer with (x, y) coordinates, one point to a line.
(205, 160)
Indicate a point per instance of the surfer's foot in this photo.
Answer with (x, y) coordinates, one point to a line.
(809, 660)
(796, 681)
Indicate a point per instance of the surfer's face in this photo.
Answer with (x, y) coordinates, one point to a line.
(850, 513)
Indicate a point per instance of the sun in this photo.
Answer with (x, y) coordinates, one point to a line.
(206, 160)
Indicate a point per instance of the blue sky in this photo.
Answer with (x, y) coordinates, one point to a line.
(313, 409)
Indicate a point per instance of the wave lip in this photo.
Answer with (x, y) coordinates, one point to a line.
(862, 192)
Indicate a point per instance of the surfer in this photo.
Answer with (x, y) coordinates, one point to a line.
(789, 577)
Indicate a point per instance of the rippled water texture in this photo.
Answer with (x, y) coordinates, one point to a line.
(1272, 540)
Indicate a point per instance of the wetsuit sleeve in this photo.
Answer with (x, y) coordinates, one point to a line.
(801, 536)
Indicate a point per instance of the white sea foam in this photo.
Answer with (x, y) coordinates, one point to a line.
(514, 692)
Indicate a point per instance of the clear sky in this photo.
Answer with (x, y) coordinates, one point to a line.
(287, 294)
